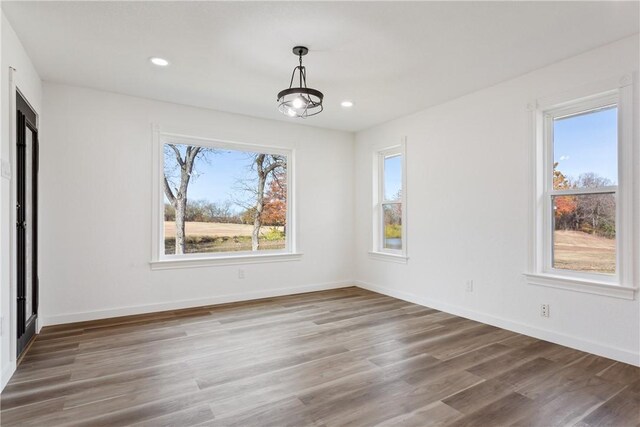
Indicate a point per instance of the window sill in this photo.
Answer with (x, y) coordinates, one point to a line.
(383, 256)
(167, 264)
(581, 285)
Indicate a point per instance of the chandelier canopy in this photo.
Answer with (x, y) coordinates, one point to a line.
(300, 101)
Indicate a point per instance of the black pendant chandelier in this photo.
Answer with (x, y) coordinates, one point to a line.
(300, 101)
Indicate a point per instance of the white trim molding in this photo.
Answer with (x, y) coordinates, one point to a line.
(166, 264)
(12, 315)
(201, 302)
(615, 353)
(162, 261)
(378, 252)
(383, 256)
(7, 373)
(581, 285)
(540, 270)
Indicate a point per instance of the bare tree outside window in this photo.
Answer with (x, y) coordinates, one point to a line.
(176, 189)
(232, 201)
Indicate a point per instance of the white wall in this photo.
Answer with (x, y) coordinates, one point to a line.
(95, 232)
(28, 82)
(467, 190)
(467, 208)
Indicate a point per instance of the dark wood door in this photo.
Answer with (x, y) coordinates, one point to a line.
(26, 223)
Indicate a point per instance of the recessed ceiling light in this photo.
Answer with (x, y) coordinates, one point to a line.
(160, 62)
(347, 104)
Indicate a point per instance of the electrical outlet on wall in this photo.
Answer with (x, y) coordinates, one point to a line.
(544, 310)
(469, 287)
(241, 273)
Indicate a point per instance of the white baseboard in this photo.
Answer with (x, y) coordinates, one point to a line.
(7, 372)
(581, 344)
(176, 305)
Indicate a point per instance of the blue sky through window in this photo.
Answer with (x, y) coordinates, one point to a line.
(392, 176)
(587, 143)
(217, 176)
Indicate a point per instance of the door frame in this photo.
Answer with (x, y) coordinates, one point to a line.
(9, 315)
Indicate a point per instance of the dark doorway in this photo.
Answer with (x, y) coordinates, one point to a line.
(26, 222)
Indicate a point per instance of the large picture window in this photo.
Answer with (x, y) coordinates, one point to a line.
(221, 199)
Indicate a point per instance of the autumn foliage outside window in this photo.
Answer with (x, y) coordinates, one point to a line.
(583, 197)
(391, 201)
(220, 200)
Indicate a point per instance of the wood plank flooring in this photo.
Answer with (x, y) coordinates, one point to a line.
(335, 358)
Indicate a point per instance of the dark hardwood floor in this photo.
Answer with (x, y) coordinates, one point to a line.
(341, 357)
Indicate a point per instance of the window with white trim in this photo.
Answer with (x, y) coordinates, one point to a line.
(218, 199)
(390, 213)
(582, 186)
(583, 183)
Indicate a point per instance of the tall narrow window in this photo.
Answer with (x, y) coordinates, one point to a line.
(582, 229)
(583, 188)
(390, 212)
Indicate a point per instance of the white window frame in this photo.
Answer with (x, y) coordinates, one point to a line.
(160, 260)
(378, 251)
(540, 269)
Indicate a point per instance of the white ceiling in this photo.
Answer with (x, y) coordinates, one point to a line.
(390, 58)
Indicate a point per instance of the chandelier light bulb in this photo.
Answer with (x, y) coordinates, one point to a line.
(298, 103)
